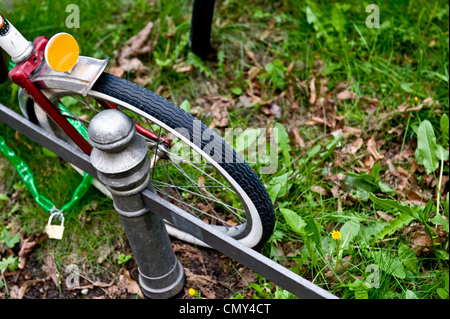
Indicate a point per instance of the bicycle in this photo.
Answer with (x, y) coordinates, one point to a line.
(191, 165)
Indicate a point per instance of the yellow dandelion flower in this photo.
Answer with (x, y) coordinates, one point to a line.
(416, 99)
(336, 234)
(192, 292)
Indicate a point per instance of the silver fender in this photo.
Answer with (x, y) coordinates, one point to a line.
(80, 79)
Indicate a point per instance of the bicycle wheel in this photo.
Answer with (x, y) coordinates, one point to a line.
(192, 166)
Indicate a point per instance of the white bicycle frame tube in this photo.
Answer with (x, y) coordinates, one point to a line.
(13, 42)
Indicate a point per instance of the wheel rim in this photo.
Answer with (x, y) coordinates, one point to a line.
(213, 195)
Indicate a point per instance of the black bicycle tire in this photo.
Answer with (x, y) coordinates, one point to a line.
(175, 117)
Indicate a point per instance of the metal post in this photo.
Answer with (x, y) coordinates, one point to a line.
(3, 68)
(201, 21)
(121, 160)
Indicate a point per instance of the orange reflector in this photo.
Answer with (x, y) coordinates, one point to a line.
(62, 52)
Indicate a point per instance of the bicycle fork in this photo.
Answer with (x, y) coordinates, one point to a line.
(28, 56)
(20, 75)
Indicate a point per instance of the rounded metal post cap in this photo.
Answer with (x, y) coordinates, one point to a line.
(111, 130)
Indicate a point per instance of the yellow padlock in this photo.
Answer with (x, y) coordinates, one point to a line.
(55, 231)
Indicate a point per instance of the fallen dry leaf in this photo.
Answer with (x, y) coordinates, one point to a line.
(218, 109)
(415, 198)
(336, 191)
(203, 282)
(414, 166)
(420, 241)
(261, 101)
(252, 57)
(356, 145)
(320, 190)
(290, 68)
(125, 285)
(404, 182)
(98, 284)
(117, 71)
(312, 90)
(369, 162)
(352, 131)
(181, 68)
(402, 107)
(105, 252)
(247, 277)
(253, 73)
(137, 45)
(131, 64)
(14, 292)
(385, 216)
(317, 121)
(429, 101)
(337, 133)
(245, 101)
(25, 286)
(27, 246)
(403, 171)
(373, 100)
(230, 221)
(199, 279)
(343, 264)
(269, 30)
(346, 95)
(372, 148)
(398, 130)
(338, 160)
(50, 269)
(318, 67)
(298, 139)
(392, 168)
(131, 285)
(276, 110)
(187, 250)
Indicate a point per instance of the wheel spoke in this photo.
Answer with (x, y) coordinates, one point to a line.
(194, 208)
(175, 175)
(184, 188)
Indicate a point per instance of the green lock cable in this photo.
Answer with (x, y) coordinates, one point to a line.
(27, 176)
(29, 181)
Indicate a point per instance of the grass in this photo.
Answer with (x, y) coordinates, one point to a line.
(320, 183)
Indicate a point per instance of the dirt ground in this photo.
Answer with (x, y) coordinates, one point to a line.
(211, 274)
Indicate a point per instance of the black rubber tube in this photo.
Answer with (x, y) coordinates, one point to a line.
(200, 36)
(175, 117)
